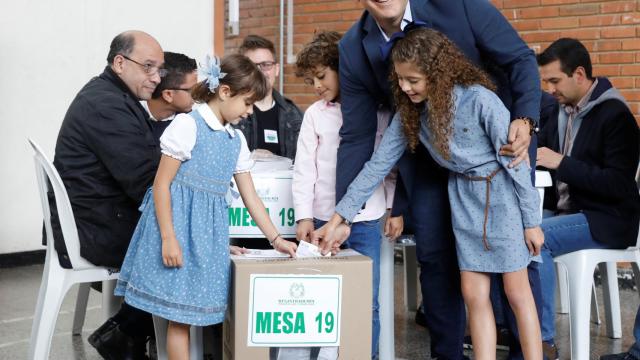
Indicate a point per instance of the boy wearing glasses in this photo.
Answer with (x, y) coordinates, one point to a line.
(275, 122)
(173, 95)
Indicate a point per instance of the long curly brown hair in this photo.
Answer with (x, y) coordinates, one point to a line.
(444, 66)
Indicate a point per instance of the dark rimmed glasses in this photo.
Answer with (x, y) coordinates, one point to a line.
(183, 89)
(148, 68)
(266, 65)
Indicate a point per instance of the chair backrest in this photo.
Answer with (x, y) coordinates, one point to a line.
(47, 174)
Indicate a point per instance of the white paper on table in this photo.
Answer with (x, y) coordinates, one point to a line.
(306, 249)
(258, 253)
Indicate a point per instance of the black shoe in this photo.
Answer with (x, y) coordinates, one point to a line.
(107, 327)
(550, 351)
(420, 319)
(113, 344)
(621, 356)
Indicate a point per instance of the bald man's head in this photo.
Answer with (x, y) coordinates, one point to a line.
(137, 58)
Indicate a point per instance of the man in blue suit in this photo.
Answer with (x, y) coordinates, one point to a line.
(486, 38)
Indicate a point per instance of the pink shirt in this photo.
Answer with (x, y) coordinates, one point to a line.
(314, 171)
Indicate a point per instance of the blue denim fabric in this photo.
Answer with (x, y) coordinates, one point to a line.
(562, 234)
(635, 348)
(365, 238)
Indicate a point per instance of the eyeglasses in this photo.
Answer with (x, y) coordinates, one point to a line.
(148, 68)
(266, 65)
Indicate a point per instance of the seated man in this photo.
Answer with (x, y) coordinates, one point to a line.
(590, 145)
(173, 95)
(275, 122)
(107, 157)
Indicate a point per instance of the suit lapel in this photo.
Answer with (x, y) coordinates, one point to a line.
(371, 43)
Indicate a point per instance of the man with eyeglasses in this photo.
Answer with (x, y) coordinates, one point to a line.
(173, 95)
(275, 122)
(107, 157)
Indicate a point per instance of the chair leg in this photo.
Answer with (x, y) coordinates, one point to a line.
(562, 290)
(110, 303)
(611, 299)
(196, 351)
(595, 311)
(386, 300)
(81, 308)
(52, 290)
(160, 327)
(580, 271)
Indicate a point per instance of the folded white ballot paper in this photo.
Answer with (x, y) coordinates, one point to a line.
(305, 250)
(258, 253)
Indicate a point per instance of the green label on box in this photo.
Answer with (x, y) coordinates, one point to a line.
(294, 310)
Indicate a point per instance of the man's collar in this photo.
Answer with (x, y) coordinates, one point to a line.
(212, 120)
(110, 75)
(406, 19)
(145, 105)
(583, 101)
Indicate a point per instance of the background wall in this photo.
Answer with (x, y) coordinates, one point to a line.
(609, 29)
(50, 49)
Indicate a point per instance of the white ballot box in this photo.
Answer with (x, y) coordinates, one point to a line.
(274, 188)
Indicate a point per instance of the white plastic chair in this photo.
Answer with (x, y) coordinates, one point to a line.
(56, 281)
(579, 266)
(196, 350)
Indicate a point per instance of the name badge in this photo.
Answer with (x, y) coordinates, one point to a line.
(270, 136)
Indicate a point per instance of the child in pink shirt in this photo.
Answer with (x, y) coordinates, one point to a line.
(314, 177)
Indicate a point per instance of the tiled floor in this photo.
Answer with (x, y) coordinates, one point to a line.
(19, 289)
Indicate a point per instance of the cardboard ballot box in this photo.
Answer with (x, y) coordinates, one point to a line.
(312, 302)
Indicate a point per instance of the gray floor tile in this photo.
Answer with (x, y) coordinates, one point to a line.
(19, 290)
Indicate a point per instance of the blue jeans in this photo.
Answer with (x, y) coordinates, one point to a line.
(635, 348)
(562, 234)
(365, 238)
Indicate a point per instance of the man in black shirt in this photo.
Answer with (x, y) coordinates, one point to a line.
(275, 122)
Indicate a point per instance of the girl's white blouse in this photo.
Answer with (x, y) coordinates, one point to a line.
(179, 138)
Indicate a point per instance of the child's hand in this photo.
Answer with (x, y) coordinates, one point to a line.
(237, 250)
(534, 238)
(330, 236)
(285, 247)
(171, 253)
(304, 228)
(393, 227)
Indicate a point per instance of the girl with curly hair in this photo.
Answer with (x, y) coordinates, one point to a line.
(448, 105)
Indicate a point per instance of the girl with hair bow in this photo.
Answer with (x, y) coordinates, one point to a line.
(177, 264)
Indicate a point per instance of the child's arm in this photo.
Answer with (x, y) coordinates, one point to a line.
(495, 120)
(305, 174)
(171, 252)
(260, 215)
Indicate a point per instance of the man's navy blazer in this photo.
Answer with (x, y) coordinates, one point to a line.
(475, 26)
(600, 170)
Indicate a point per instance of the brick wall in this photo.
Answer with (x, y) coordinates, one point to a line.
(609, 29)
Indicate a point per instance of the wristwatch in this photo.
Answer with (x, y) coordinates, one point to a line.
(533, 126)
